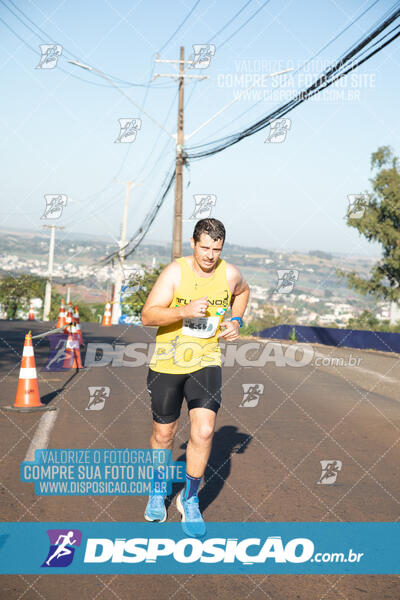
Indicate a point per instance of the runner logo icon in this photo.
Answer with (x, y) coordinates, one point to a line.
(62, 547)
(330, 470)
(251, 394)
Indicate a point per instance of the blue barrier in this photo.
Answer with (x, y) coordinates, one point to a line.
(329, 336)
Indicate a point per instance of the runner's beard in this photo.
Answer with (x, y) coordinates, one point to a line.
(208, 265)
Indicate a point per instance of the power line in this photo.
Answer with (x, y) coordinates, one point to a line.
(68, 53)
(142, 110)
(179, 26)
(331, 41)
(149, 218)
(146, 96)
(139, 235)
(327, 78)
(106, 202)
(216, 35)
(244, 24)
(245, 5)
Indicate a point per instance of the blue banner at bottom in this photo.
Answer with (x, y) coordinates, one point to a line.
(226, 548)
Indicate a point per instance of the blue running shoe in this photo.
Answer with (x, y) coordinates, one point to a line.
(155, 509)
(192, 521)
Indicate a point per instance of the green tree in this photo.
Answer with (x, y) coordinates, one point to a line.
(364, 321)
(267, 319)
(16, 292)
(380, 222)
(91, 312)
(87, 312)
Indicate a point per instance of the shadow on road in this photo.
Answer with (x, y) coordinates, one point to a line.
(227, 441)
(47, 398)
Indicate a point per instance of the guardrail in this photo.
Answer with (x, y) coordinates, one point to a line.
(330, 336)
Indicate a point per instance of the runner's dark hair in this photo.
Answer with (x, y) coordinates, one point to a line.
(214, 228)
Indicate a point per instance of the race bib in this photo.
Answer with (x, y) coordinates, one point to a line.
(201, 327)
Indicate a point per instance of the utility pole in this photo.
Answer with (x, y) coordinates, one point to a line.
(177, 230)
(180, 155)
(119, 276)
(47, 294)
(179, 137)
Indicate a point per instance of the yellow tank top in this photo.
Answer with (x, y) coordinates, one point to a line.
(192, 344)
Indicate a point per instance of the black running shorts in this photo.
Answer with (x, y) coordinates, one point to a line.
(201, 388)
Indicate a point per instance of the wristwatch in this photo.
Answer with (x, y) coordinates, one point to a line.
(239, 319)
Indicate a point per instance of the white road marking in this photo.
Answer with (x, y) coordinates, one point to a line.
(42, 433)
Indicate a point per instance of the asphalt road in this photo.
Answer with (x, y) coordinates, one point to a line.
(265, 462)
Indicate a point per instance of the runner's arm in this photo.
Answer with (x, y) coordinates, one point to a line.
(240, 294)
(156, 310)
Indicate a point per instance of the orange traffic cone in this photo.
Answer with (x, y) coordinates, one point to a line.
(78, 325)
(77, 361)
(28, 398)
(107, 316)
(61, 316)
(72, 358)
(31, 315)
(70, 314)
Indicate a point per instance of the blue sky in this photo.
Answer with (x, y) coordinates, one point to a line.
(59, 126)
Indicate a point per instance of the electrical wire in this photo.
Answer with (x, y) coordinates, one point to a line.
(107, 203)
(243, 24)
(142, 108)
(141, 232)
(331, 41)
(179, 26)
(67, 53)
(245, 5)
(156, 163)
(327, 78)
(349, 61)
(213, 38)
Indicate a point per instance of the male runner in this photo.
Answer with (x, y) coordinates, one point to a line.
(187, 303)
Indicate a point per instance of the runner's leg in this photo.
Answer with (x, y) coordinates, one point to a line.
(166, 393)
(163, 435)
(202, 424)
